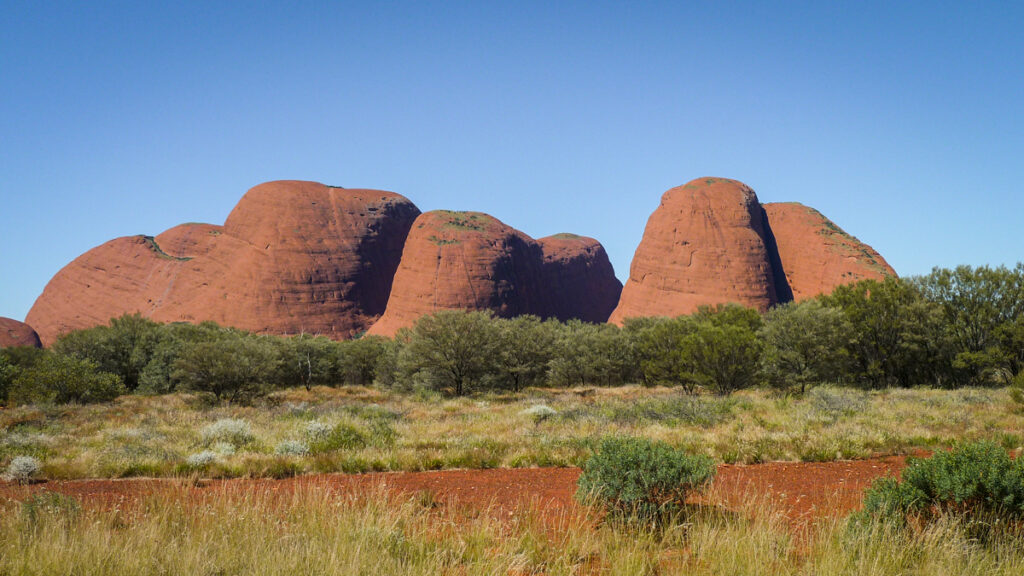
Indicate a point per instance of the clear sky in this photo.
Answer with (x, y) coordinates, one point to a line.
(902, 122)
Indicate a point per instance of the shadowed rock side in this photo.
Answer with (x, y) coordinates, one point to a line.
(292, 257)
(579, 278)
(472, 261)
(14, 333)
(705, 244)
(816, 255)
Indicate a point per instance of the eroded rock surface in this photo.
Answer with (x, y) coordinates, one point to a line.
(704, 245)
(14, 333)
(292, 257)
(816, 255)
(473, 261)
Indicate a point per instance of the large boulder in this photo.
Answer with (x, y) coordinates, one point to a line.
(473, 261)
(14, 334)
(815, 255)
(705, 244)
(292, 257)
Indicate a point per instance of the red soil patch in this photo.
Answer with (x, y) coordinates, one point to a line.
(802, 490)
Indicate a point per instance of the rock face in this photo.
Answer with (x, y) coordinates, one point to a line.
(578, 278)
(292, 257)
(711, 242)
(705, 244)
(472, 261)
(815, 255)
(14, 333)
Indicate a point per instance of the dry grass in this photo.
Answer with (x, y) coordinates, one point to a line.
(155, 436)
(313, 531)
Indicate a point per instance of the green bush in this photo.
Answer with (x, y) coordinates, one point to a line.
(640, 478)
(343, 436)
(978, 479)
(64, 379)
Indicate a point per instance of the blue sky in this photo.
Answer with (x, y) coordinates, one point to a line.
(900, 121)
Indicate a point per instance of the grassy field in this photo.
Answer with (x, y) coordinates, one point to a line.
(311, 531)
(364, 429)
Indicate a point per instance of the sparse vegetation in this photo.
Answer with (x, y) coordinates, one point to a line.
(640, 479)
(262, 532)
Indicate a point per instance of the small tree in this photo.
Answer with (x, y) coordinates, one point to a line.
(7, 375)
(526, 348)
(658, 346)
(358, 359)
(452, 349)
(234, 368)
(723, 352)
(307, 360)
(124, 347)
(805, 345)
(63, 379)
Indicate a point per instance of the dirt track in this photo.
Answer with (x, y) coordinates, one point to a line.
(803, 490)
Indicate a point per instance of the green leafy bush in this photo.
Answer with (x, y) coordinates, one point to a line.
(978, 479)
(64, 379)
(343, 436)
(641, 478)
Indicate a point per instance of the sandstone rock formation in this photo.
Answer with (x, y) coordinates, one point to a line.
(711, 242)
(472, 261)
(815, 255)
(292, 257)
(578, 278)
(705, 244)
(14, 333)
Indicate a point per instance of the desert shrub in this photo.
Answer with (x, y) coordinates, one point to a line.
(50, 504)
(202, 459)
(232, 431)
(980, 306)
(977, 479)
(317, 430)
(223, 449)
(526, 349)
(307, 360)
(591, 354)
(671, 411)
(23, 469)
(658, 348)
(896, 336)
(236, 367)
(292, 448)
(124, 347)
(358, 359)
(640, 478)
(343, 436)
(7, 374)
(838, 401)
(63, 379)
(539, 413)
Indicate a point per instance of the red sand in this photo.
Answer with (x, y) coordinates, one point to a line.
(802, 490)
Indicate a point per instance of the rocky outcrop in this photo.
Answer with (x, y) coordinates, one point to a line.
(14, 334)
(292, 257)
(578, 278)
(711, 242)
(473, 261)
(704, 245)
(815, 255)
